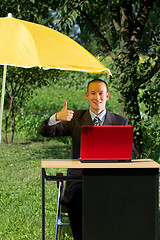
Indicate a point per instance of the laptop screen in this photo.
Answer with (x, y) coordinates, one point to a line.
(106, 142)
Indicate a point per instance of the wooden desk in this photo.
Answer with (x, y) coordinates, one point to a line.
(120, 200)
(75, 163)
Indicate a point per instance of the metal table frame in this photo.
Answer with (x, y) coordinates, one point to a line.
(51, 178)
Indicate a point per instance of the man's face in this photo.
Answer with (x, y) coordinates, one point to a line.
(97, 96)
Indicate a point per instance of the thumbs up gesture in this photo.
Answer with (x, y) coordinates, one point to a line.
(64, 114)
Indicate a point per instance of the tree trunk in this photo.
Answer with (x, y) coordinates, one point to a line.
(12, 130)
(14, 115)
(5, 131)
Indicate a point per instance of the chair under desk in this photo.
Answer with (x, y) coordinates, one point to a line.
(120, 200)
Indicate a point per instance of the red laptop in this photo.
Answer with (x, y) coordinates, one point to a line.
(106, 143)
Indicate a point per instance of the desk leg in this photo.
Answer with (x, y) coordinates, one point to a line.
(43, 204)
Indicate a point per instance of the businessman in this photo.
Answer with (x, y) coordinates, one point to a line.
(68, 123)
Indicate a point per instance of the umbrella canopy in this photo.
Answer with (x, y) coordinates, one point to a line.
(26, 44)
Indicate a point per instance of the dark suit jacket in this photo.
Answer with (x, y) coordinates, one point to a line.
(73, 129)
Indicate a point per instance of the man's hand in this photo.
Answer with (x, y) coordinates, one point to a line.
(64, 114)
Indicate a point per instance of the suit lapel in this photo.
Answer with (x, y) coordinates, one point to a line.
(87, 121)
(108, 119)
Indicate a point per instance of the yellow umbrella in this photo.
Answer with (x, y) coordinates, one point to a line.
(26, 44)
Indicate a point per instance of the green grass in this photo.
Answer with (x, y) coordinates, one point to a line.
(20, 189)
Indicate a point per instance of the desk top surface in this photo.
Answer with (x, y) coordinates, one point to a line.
(75, 163)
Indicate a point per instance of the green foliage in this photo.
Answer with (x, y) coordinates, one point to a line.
(30, 10)
(140, 89)
(21, 82)
(149, 100)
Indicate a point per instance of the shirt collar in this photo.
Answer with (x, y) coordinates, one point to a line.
(101, 116)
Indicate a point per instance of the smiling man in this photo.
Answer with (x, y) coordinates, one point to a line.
(68, 123)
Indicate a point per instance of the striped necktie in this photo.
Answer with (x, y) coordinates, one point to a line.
(96, 121)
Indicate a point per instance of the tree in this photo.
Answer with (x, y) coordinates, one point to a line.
(123, 29)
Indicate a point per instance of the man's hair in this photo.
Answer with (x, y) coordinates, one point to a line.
(97, 80)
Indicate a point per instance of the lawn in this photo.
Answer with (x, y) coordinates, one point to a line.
(20, 195)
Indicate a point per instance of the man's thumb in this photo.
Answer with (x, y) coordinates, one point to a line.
(65, 104)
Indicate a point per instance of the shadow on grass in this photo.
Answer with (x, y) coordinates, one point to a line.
(60, 152)
(58, 148)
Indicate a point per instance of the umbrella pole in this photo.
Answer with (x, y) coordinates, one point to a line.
(2, 97)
